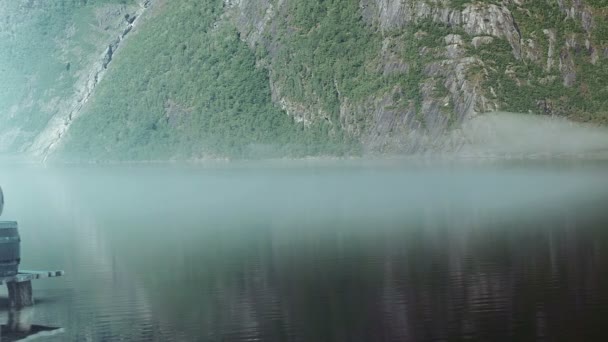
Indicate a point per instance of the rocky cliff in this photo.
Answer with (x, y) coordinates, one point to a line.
(69, 108)
(440, 62)
(54, 54)
(377, 76)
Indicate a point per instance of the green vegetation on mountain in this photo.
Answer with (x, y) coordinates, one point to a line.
(327, 54)
(529, 85)
(268, 78)
(187, 86)
(44, 46)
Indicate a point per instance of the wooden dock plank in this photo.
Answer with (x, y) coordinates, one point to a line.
(30, 275)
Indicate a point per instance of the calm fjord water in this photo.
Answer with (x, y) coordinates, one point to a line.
(332, 251)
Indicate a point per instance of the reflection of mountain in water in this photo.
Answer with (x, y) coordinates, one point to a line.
(520, 278)
(450, 256)
(99, 300)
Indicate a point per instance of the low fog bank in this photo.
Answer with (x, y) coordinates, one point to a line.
(504, 134)
(492, 135)
(13, 159)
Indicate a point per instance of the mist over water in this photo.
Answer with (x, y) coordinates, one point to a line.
(317, 250)
(516, 135)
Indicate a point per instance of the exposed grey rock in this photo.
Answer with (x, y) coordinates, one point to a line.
(131, 19)
(480, 41)
(592, 52)
(396, 14)
(385, 121)
(454, 46)
(231, 3)
(47, 141)
(382, 121)
(251, 17)
(579, 11)
(477, 19)
(453, 39)
(390, 61)
(587, 20)
(567, 67)
(550, 33)
(107, 57)
(454, 51)
(481, 19)
(383, 124)
(531, 51)
(302, 113)
(126, 31)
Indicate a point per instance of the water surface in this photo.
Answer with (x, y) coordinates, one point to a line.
(403, 250)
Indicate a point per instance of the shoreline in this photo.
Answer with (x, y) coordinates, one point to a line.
(366, 160)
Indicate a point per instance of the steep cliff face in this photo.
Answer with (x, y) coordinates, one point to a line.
(187, 86)
(290, 77)
(53, 56)
(440, 62)
(69, 108)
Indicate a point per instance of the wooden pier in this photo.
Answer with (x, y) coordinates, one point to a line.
(20, 286)
(18, 282)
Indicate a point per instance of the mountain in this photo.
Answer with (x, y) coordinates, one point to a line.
(189, 79)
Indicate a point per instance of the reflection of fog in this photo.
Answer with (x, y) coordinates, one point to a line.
(521, 277)
(532, 279)
(399, 255)
(98, 299)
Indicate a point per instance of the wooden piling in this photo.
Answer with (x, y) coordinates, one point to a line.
(20, 294)
(20, 286)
